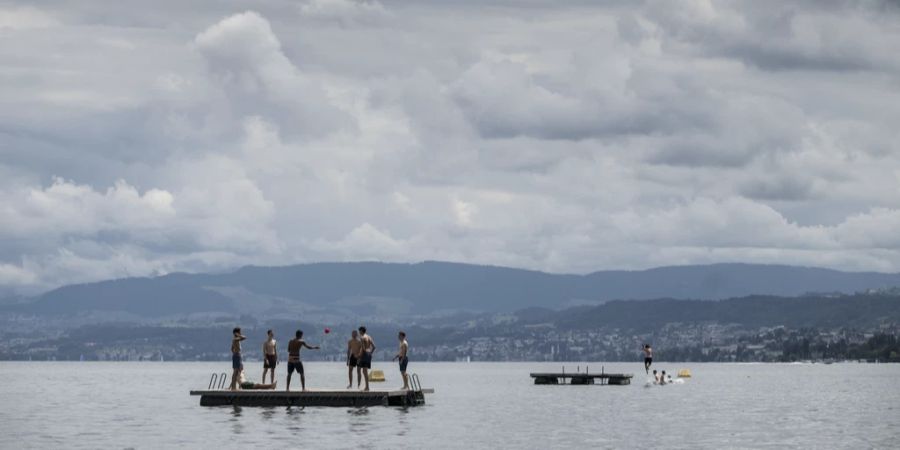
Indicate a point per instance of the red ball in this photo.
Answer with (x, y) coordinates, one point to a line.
(327, 330)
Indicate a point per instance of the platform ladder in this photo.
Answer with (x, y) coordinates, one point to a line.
(217, 381)
(417, 395)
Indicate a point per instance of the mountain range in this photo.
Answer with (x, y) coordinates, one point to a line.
(327, 291)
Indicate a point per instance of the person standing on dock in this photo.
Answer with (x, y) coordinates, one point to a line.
(294, 363)
(270, 356)
(648, 357)
(237, 365)
(354, 352)
(368, 349)
(404, 360)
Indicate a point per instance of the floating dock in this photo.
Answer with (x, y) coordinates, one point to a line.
(580, 378)
(337, 398)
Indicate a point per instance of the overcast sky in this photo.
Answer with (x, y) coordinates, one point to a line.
(142, 138)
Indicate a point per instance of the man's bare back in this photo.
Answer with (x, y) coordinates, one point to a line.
(368, 344)
(355, 347)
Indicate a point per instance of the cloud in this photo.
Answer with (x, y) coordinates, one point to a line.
(344, 12)
(569, 137)
(24, 18)
(246, 59)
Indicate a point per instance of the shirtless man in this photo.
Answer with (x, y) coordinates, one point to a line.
(648, 357)
(247, 384)
(237, 365)
(354, 352)
(368, 348)
(404, 360)
(270, 356)
(294, 363)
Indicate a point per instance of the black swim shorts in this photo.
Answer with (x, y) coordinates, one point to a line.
(366, 361)
(648, 360)
(403, 363)
(352, 362)
(270, 361)
(298, 366)
(236, 362)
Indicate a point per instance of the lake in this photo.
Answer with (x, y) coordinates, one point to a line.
(476, 405)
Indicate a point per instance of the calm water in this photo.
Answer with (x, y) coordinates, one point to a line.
(477, 405)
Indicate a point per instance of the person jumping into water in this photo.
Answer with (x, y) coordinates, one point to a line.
(648, 357)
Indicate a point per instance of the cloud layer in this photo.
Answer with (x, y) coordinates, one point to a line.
(559, 137)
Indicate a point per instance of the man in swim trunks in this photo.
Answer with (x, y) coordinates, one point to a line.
(270, 356)
(404, 360)
(662, 378)
(648, 357)
(294, 363)
(655, 376)
(237, 364)
(368, 348)
(354, 352)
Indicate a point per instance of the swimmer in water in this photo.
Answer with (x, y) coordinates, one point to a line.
(648, 357)
(655, 377)
(662, 378)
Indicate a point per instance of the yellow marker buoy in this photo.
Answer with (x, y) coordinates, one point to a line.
(376, 375)
(684, 373)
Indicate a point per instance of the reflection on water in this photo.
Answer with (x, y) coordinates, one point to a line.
(402, 422)
(360, 420)
(475, 405)
(267, 412)
(237, 425)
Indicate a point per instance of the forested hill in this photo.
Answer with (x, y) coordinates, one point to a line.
(860, 311)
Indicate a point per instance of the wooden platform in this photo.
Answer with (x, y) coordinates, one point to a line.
(338, 398)
(582, 378)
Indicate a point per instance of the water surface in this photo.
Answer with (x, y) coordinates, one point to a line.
(477, 405)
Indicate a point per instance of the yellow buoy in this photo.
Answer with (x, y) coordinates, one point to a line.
(376, 375)
(684, 373)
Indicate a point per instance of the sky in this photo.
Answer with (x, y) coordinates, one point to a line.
(143, 138)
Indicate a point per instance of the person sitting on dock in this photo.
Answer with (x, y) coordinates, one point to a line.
(237, 365)
(270, 357)
(368, 349)
(294, 363)
(354, 351)
(404, 360)
(648, 357)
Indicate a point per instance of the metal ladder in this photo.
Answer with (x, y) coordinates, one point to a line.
(217, 381)
(416, 385)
